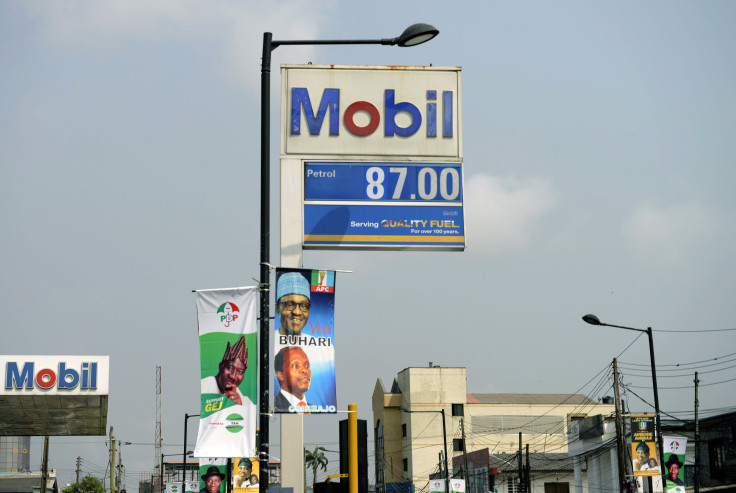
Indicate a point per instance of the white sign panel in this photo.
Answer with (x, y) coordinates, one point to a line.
(55, 375)
(334, 110)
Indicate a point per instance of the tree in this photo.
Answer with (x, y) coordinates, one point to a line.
(88, 485)
(315, 460)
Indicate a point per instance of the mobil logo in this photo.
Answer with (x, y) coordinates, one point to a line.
(329, 107)
(24, 375)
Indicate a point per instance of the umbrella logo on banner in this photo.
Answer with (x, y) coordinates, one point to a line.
(228, 310)
(234, 423)
(674, 445)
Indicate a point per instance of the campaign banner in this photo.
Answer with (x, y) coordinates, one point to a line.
(304, 342)
(457, 485)
(173, 487)
(674, 460)
(212, 474)
(192, 487)
(245, 475)
(643, 445)
(228, 364)
(436, 486)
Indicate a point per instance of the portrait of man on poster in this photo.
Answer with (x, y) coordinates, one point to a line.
(231, 372)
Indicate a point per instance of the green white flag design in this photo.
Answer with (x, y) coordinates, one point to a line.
(457, 485)
(228, 359)
(437, 486)
(674, 462)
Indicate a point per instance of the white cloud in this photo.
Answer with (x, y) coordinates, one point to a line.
(670, 235)
(231, 30)
(501, 212)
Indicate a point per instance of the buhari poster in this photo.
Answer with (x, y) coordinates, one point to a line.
(228, 372)
(643, 446)
(304, 342)
(674, 461)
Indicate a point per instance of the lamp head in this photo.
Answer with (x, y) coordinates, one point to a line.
(592, 319)
(417, 34)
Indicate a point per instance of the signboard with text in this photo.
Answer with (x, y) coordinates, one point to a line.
(398, 205)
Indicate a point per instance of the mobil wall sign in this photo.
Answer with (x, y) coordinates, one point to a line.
(46, 375)
(333, 110)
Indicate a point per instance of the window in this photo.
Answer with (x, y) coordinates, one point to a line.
(406, 465)
(512, 486)
(457, 410)
(556, 487)
(457, 445)
(403, 430)
(717, 459)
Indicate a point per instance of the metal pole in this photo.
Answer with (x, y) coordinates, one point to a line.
(444, 438)
(353, 448)
(263, 453)
(656, 408)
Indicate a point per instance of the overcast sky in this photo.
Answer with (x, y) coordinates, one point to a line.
(599, 149)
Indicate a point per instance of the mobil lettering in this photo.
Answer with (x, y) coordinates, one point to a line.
(62, 377)
(329, 107)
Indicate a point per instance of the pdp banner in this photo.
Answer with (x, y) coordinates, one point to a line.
(227, 336)
(436, 486)
(212, 474)
(674, 460)
(304, 345)
(644, 448)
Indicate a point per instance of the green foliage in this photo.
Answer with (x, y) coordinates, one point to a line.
(88, 485)
(315, 460)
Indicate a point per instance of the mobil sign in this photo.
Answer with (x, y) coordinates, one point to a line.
(65, 375)
(346, 110)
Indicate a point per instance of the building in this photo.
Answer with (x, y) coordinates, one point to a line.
(409, 443)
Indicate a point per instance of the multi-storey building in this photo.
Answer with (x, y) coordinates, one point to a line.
(492, 428)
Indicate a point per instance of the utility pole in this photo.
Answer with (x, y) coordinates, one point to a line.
(527, 473)
(620, 440)
(79, 461)
(45, 464)
(521, 475)
(697, 438)
(112, 462)
(465, 455)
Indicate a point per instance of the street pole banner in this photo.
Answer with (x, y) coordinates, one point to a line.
(227, 336)
(674, 460)
(643, 445)
(304, 346)
(212, 474)
(437, 486)
(457, 485)
(192, 487)
(245, 475)
(173, 487)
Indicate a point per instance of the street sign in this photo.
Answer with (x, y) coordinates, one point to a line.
(407, 205)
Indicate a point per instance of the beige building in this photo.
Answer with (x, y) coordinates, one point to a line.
(409, 443)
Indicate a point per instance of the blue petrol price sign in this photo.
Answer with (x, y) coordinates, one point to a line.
(390, 205)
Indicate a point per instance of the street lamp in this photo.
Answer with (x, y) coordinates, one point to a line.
(184, 455)
(444, 438)
(593, 320)
(412, 36)
(183, 469)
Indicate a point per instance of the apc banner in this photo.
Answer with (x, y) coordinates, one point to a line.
(304, 346)
(674, 460)
(227, 336)
(643, 446)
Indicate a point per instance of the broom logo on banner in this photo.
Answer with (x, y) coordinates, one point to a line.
(228, 313)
